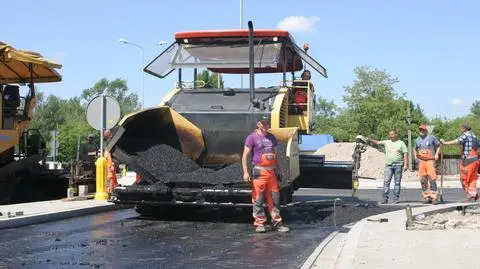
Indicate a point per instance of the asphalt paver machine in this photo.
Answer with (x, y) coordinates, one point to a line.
(209, 125)
(22, 150)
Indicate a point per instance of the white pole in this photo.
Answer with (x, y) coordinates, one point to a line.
(143, 78)
(103, 115)
(241, 27)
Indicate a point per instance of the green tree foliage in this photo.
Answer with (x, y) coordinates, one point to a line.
(475, 108)
(117, 89)
(373, 107)
(210, 79)
(68, 116)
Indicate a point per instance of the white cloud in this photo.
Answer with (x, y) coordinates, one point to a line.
(298, 23)
(457, 101)
(60, 56)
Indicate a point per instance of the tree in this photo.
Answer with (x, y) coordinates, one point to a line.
(47, 116)
(374, 107)
(117, 89)
(475, 108)
(210, 79)
(69, 118)
(326, 112)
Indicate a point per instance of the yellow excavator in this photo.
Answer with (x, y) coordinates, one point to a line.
(209, 125)
(21, 149)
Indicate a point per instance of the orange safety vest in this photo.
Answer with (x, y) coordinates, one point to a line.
(301, 98)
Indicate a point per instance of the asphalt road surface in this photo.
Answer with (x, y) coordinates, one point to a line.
(207, 238)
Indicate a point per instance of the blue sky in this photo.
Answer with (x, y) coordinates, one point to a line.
(431, 46)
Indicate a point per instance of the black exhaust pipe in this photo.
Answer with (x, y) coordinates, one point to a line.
(251, 70)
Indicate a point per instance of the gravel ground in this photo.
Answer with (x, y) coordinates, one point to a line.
(449, 220)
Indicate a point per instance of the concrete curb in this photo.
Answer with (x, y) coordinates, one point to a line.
(318, 250)
(60, 215)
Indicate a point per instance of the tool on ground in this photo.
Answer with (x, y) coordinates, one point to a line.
(378, 220)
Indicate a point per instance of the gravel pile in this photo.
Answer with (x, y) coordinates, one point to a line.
(165, 159)
(372, 163)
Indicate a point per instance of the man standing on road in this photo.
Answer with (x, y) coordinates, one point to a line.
(469, 160)
(263, 179)
(426, 152)
(396, 159)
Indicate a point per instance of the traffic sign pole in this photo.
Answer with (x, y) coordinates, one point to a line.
(101, 163)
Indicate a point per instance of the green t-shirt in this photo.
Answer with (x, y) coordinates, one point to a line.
(394, 151)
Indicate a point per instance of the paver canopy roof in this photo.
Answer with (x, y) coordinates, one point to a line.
(15, 66)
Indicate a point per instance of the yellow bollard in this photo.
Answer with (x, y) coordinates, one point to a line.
(124, 170)
(101, 178)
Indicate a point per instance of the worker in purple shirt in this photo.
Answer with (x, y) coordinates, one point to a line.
(263, 178)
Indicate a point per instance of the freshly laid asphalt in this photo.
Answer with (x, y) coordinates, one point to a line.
(193, 238)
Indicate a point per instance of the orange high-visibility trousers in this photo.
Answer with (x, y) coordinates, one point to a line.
(265, 189)
(469, 174)
(427, 174)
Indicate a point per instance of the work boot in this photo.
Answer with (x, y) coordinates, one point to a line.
(434, 201)
(384, 201)
(282, 228)
(427, 201)
(260, 229)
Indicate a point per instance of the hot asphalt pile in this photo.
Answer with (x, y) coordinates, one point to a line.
(162, 164)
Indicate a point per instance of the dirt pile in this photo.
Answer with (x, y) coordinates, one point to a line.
(372, 163)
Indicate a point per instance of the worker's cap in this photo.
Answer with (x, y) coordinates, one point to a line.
(466, 126)
(12, 87)
(422, 127)
(264, 118)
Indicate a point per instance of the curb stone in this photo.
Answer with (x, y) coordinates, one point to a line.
(54, 216)
(313, 257)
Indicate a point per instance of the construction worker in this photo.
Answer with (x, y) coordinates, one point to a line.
(111, 171)
(88, 151)
(263, 178)
(396, 158)
(300, 95)
(469, 160)
(426, 152)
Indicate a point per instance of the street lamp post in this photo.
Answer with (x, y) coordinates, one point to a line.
(241, 27)
(125, 41)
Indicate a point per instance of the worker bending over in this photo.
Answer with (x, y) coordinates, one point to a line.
(263, 178)
(469, 160)
(426, 152)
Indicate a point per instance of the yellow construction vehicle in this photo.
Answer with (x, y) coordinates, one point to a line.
(210, 125)
(21, 149)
